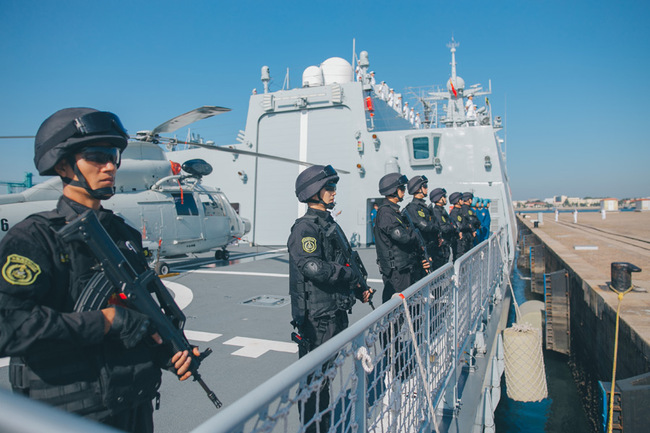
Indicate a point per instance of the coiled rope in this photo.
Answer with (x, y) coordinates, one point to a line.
(611, 393)
(419, 359)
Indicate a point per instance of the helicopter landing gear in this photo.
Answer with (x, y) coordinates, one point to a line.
(222, 254)
(161, 268)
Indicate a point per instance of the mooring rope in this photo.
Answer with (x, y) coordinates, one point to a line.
(419, 359)
(512, 290)
(611, 393)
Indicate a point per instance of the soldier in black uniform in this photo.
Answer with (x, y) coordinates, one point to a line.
(448, 232)
(418, 213)
(104, 365)
(470, 212)
(463, 226)
(398, 251)
(322, 290)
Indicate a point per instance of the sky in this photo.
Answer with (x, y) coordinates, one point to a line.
(570, 78)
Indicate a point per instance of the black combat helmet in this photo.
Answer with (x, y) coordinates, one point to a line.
(389, 183)
(437, 194)
(416, 183)
(455, 197)
(71, 129)
(313, 179)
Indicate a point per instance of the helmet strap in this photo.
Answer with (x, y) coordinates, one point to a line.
(98, 194)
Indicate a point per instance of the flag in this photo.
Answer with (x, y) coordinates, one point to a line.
(453, 89)
(487, 101)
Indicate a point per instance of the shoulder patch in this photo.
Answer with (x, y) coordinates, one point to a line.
(470, 212)
(420, 213)
(20, 271)
(460, 218)
(309, 244)
(443, 219)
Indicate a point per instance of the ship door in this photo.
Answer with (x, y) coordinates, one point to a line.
(370, 217)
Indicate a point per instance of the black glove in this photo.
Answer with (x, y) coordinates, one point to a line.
(130, 327)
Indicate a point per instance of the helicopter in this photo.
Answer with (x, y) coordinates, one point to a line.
(166, 201)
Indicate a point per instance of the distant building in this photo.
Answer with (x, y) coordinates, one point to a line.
(609, 204)
(642, 204)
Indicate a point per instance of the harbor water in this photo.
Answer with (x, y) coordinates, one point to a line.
(562, 411)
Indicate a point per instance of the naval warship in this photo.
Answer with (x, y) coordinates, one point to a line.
(430, 360)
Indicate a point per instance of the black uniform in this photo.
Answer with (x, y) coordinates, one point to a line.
(448, 235)
(59, 356)
(322, 293)
(397, 250)
(463, 226)
(470, 213)
(422, 219)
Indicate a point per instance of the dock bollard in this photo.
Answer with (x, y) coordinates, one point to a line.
(622, 275)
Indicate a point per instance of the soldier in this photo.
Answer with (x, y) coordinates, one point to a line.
(105, 364)
(463, 226)
(322, 290)
(448, 232)
(470, 213)
(418, 213)
(398, 252)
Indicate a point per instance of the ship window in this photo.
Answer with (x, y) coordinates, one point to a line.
(185, 204)
(421, 147)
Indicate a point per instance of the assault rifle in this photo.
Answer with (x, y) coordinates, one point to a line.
(350, 258)
(133, 289)
(420, 238)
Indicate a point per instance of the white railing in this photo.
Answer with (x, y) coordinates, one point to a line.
(376, 382)
(446, 309)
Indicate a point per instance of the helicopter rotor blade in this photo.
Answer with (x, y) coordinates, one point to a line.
(16, 136)
(188, 118)
(250, 153)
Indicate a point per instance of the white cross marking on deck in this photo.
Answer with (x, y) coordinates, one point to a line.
(201, 336)
(256, 347)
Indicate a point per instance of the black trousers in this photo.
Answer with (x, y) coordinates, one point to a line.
(316, 332)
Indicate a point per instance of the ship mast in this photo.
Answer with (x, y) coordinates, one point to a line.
(452, 46)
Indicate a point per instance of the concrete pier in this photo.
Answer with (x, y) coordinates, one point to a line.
(586, 250)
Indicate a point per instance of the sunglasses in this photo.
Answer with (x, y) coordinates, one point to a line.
(102, 155)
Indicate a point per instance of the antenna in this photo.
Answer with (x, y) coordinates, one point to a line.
(452, 47)
(286, 85)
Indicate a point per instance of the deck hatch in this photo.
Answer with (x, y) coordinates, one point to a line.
(266, 301)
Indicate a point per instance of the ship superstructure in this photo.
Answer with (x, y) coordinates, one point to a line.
(341, 118)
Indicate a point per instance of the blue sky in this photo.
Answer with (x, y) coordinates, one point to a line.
(571, 77)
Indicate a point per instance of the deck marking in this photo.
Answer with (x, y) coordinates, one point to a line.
(4, 362)
(182, 294)
(201, 336)
(250, 274)
(257, 274)
(256, 347)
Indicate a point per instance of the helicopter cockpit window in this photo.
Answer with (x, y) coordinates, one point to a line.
(185, 204)
(212, 205)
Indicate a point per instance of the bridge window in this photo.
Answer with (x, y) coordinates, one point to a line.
(423, 148)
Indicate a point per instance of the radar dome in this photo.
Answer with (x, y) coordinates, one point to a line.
(312, 77)
(459, 84)
(336, 70)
